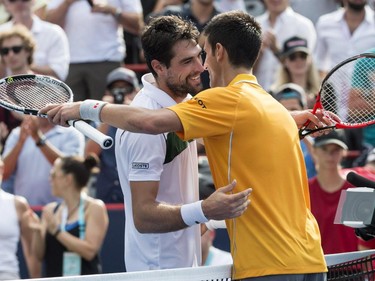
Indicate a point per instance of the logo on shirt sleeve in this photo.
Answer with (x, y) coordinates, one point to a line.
(140, 166)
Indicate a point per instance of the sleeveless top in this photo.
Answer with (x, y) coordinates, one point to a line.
(9, 234)
(55, 250)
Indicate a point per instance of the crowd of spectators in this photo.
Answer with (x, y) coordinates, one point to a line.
(93, 46)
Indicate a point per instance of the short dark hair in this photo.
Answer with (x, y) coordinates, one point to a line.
(239, 33)
(161, 34)
(81, 168)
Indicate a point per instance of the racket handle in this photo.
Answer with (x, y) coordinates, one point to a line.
(103, 140)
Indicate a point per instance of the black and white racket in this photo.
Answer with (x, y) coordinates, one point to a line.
(348, 91)
(27, 94)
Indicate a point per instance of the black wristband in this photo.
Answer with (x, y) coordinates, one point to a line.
(57, 232)
(41, 141)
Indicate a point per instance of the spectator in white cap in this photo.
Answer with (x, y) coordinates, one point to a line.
(325, 191)
(122, 86)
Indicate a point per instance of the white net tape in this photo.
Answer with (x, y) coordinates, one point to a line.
(203, 273)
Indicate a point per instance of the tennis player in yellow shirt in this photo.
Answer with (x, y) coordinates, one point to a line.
(249, 137)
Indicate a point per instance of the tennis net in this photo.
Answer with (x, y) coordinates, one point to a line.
(353, 266)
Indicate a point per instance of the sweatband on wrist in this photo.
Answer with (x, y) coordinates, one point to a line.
(90, 110)
(193, 214)
(215, 224)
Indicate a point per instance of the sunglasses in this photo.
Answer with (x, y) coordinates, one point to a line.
(300, 55)
(15, 49)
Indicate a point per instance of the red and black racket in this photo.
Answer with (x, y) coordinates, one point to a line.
(348, 91)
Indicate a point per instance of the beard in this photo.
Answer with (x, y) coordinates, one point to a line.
(357, 7)
(181, 90)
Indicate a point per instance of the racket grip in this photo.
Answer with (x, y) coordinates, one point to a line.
(103, 140)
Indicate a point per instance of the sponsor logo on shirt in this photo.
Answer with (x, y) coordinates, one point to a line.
(200, 102)
(140, 166)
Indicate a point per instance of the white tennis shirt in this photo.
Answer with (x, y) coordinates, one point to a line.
(172, 162)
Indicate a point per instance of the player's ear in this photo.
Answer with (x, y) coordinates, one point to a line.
(220, 52)
(157, 66)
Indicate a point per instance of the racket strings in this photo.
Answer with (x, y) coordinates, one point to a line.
(32, 94)
(349, 92)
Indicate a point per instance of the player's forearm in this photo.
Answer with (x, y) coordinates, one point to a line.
(158, 218)
(37, 244)
(132, 22)
(58, 14)
(140, 120)
(10, 160)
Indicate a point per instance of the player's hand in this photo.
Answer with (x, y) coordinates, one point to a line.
(318, 120)
(221, 205)
(59, 114)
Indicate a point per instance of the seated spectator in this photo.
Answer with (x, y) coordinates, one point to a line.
(17, 47)
(122, 86)
(13, 229)
(26, 143)
(293, 97)
(297, 67)
(30, 151)
(52, 50)
(70, 234)
(279, 23)
(325, 191)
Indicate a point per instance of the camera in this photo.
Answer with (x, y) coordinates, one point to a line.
(356, 209)
(120, 93)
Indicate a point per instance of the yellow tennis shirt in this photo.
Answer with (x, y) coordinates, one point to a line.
(252, 138)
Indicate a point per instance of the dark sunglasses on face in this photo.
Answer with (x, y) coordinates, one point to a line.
(15, 49)
(300, 55)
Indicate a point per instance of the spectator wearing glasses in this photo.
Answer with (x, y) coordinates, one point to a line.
(51, 55)
(16, 50)
(298, 67)
(279, 23)
(34, 140)
(122, 86)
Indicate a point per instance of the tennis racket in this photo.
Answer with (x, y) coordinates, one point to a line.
(27, 94)
(348, 91)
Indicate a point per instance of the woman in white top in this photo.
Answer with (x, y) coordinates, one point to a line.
(13, 227)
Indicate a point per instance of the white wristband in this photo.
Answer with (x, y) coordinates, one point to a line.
(193, 214)
(214, 224)
(90, 110)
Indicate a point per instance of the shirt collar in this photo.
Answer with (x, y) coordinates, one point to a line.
(240, 78)
(151, 90)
